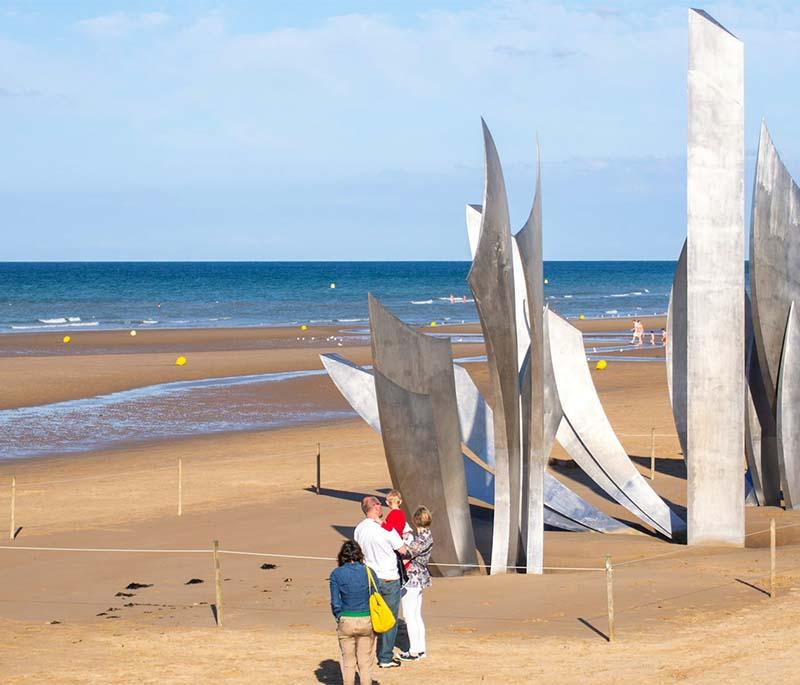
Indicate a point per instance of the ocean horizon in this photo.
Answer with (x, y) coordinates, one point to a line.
(54, 296)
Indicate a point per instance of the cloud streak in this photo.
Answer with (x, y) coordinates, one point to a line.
(119, 24)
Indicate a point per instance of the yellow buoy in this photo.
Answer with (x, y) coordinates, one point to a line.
(133, 334)
(602, 364)
(333, 286)
(180, 361)
(433, 324)
(66, 339)
(303, 327)
(581, 317)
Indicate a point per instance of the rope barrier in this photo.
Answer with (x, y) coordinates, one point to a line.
(647, 435)
(766, 530)
(276, 555)
(107, 549)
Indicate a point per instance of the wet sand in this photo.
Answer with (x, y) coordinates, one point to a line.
(685, 615)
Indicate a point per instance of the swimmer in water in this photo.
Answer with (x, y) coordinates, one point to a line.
(452, 299)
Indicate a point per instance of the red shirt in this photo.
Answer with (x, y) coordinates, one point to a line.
(396, 521)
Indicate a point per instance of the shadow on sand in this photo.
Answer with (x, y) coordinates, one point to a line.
(594, 629)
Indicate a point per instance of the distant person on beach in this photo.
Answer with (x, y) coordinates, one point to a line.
(638, 332)
(396, 520)
(663, 336)
(379, 547)
(652, 337)
(350, 606)
(419, 579)
(634, 329)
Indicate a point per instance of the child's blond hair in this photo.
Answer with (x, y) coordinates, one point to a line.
(394, 496)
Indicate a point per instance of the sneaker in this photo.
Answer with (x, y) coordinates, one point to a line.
(391, 664)
(407, 656)
(421, 655)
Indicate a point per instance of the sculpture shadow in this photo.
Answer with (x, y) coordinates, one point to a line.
(594, 629)
(571, 471)
(679, 509)
(482, 522)
(669, 467)
(16, 533)
(214, 613)
(338, 494)
(345, 531)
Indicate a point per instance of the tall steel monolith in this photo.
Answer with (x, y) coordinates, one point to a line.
(715, 284)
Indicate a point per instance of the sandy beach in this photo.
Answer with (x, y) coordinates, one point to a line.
(697, 615)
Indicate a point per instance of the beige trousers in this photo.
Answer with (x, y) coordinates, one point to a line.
(357, 644)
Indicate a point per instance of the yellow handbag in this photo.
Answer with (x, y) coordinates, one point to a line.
(379, 612)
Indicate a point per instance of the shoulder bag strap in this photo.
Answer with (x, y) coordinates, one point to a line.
(371, 579)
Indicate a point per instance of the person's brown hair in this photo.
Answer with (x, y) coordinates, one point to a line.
(422, 517)
(350, 551)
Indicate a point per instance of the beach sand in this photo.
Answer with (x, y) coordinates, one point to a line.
(695, 615)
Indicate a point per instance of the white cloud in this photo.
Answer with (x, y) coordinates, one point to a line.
(121, 23)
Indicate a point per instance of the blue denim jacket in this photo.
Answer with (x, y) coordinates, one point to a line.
(350, 590)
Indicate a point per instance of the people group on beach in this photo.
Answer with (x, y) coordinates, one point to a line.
(638, 334)
(391, 557)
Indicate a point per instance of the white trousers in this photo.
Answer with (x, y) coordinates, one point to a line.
(411, 602)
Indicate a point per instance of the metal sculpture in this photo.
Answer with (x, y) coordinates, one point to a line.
(676, 348)
(788, 420)
(563, 508)
(715, 283)
(589, 438)
(775, 286)
(416, 399)
(477, 430)
(760, 430)
(535, 449)
(491, 280)
(774, 256)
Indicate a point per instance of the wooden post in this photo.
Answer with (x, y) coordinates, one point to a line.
(652, 454)
(319, 468)
(180, 486)
(772, 558)
(610, 597)
(13, 528)
(217, 583)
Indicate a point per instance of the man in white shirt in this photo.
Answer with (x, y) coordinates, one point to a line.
(379, 547)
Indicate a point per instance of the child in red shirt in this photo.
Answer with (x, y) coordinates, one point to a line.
(396, 518)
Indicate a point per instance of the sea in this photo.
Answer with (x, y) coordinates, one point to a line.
(44, 296)
(71, 296)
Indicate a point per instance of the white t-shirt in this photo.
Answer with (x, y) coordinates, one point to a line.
(378, 546)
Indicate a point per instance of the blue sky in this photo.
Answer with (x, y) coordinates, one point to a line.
(351, 130)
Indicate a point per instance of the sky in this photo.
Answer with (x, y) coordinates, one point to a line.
(350, 129)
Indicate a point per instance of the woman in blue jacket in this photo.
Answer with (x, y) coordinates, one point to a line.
(350, 606)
